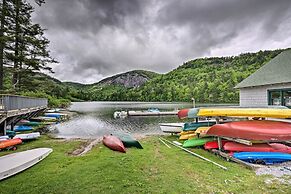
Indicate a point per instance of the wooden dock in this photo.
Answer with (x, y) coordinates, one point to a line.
(147, 113)
(14, 108)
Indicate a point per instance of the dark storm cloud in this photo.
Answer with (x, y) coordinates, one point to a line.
(97, 38)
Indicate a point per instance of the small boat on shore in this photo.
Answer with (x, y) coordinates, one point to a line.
(253, 130)
(127, 139)
(171, 127)
(27, 136)
(9, 143)
(263, 157)
(113, 143)
(14, 163)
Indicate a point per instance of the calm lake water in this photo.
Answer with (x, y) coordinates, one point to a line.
(95, 119)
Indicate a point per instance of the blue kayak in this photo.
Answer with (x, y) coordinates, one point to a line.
(263, 157)
(54, 115)
(22, 128)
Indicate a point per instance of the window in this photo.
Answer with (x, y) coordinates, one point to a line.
(280, 97)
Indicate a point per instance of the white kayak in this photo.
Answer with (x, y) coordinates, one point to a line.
(171, 127)
(14, 163)
(27, 136)
(4, 138)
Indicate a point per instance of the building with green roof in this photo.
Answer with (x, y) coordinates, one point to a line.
(269, 85)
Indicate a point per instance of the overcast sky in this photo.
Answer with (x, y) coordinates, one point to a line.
(93, 39)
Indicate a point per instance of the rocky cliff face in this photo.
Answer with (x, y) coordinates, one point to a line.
(131, 79)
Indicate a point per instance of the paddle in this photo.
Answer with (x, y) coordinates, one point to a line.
(164, 143)
(197, 155)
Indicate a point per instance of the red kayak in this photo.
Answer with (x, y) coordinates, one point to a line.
(214, 144)
(260, 147)
(253, 130)
(10, 143)
(113, 143)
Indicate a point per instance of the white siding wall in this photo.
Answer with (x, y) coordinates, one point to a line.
(258, 96)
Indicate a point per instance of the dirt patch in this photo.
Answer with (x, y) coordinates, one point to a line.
(85, 147)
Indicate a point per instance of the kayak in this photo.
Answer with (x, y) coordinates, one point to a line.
(4, 137)
(187, 136)
(49, 119)
(9, 143)
(260, 147)
(14, 163)
(22, 128)
(201, 131)
(10, 133)
(127, 139)
(213, 144)
(30, 123)
(234, 112)
(196, 125)
(171, 127)
(253, 130)
(186, 132)
(196, 142)
(263, 157)
(55, 115)
(113, 143)
(27, 136)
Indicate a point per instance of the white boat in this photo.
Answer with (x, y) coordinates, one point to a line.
(27, 136)
(14, 163)
(3, 138)
(171, 127)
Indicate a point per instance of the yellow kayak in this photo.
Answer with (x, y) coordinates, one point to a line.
(235, 112)
(187, 136)
(186, 132)
(201, 131)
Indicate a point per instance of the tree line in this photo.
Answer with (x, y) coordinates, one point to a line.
(23, 45)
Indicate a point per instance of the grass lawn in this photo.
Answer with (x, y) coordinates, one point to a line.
(155, 169)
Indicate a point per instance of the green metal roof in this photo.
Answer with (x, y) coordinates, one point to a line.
(278, 70)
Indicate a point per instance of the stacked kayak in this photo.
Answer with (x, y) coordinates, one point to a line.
(195, 142)
(9, 143)
(19, 128)
(27, 136)
(263, 157)
(196, 125)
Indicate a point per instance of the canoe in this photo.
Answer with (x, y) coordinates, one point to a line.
(195, 125)
(9, 143)
(30, 123)
(196, 142)
(14, 163)
(171, 127)
(213, 144)
(263, 157)
(22, 128)
(260, 147)
(27, 136)
(253, 130)
(113, 143)
(187, 136)
(10, 133)
(127, 139)
(234, 112)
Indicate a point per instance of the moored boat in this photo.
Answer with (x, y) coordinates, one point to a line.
(253, 130)
(113, 143)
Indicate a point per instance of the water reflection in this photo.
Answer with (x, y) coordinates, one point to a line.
(95, 119)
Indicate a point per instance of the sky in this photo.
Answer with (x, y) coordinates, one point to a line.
(94, 39)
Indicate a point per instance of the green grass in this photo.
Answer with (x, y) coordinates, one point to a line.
(155, 169)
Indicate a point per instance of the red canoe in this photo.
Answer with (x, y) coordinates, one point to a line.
(113, 143)
(260, 147)
(213, 144)
(10, 143)
(253, 130)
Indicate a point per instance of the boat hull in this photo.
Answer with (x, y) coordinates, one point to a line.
(14, 163)
(213, 144)
(253, 130)
(195, 142)
(27, 136)
(261, 147)
(171, 127)
(263, 157)
(9, 143)
(113, 143)
(22, 128)
(127, 140)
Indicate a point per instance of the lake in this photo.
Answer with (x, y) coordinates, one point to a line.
(95, 119)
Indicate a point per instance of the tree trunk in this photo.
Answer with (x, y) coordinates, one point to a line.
(16, 49)
(2, 44)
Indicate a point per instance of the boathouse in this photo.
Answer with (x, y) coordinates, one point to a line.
(269, 85)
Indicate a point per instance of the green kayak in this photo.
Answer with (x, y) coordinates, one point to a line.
(196, 142)
(31, 123)
(127, 139)
(10, 133)
(194, 126)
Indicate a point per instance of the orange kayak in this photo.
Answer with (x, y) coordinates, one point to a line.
(9, 143)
